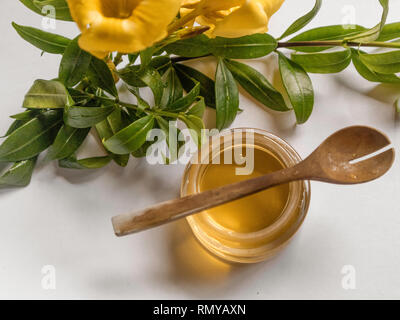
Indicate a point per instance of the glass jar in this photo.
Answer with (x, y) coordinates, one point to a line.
(256, 246)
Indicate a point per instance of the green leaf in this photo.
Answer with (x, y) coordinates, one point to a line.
(131, 138)
(132, 74)
(257, 85)
(369, 74)
(173, 144)
(19, 175)
(45, 41)
(374, 33)
(31, 138)
(141, 103)
(386, 63)
(142, 151)
(193, 47)
(105, 132)
(303, 21)
(45, 94)
(198, 108)
(298, 86)
(14, 126)
(190, 77)
(152, 79)
(146, 55)
(247, 47)
(74, 64)
(100, 76)
(115, 120)
(88, 163)
(21, 119)
(61, 8)
(196, 127)
(116, 124)
(148, 77)
(86, 117)
(389, 32)
(331, 62)
(133, 57)
(227, 96)
(335, 32)
(160, 63)
(29, 4)
(185, 102)
(68, 140)
(79, 97)
(39, 6)
(173, 89)
(25, 116)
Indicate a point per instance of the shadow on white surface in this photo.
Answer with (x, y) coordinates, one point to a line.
(386, 93)
(193, 269)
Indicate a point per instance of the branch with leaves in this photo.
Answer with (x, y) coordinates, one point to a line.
(59, 114)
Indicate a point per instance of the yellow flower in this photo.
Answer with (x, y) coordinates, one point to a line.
(231, 18)
(125, 26)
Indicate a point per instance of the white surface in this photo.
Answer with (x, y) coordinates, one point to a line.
(63, 217)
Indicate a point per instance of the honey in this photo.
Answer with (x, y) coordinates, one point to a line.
(257, 227)
(252, 213)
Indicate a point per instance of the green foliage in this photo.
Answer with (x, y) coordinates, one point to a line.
(374, 33)
(247, 47)
(185, 102)
(45, 41)
(189, 78)
(227, 96)
(86, 117)
(331, 62)
(389, 32)
(39, 6)
(31, 138)
(328, 33)
(302, 21)
(298, 86)
(386, 63)
(100, 76)
(19, 175)
(257, 85)
(46, 94)
(88, 163)
(131, 138)
(368, 73)
(74, 64)
(68, 140)
(60, 113)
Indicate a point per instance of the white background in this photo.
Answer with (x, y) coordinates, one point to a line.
(63, 217)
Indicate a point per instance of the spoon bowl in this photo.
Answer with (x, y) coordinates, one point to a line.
(352, 155)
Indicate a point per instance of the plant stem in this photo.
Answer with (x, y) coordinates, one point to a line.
(181, 59)
(339, 43)
(166, 114)
(118, 59)
(175, 26)
(149, 111)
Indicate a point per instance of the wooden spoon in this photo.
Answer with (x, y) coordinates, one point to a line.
(340, 159)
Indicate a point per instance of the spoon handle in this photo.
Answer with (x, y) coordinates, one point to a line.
(179, 208)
